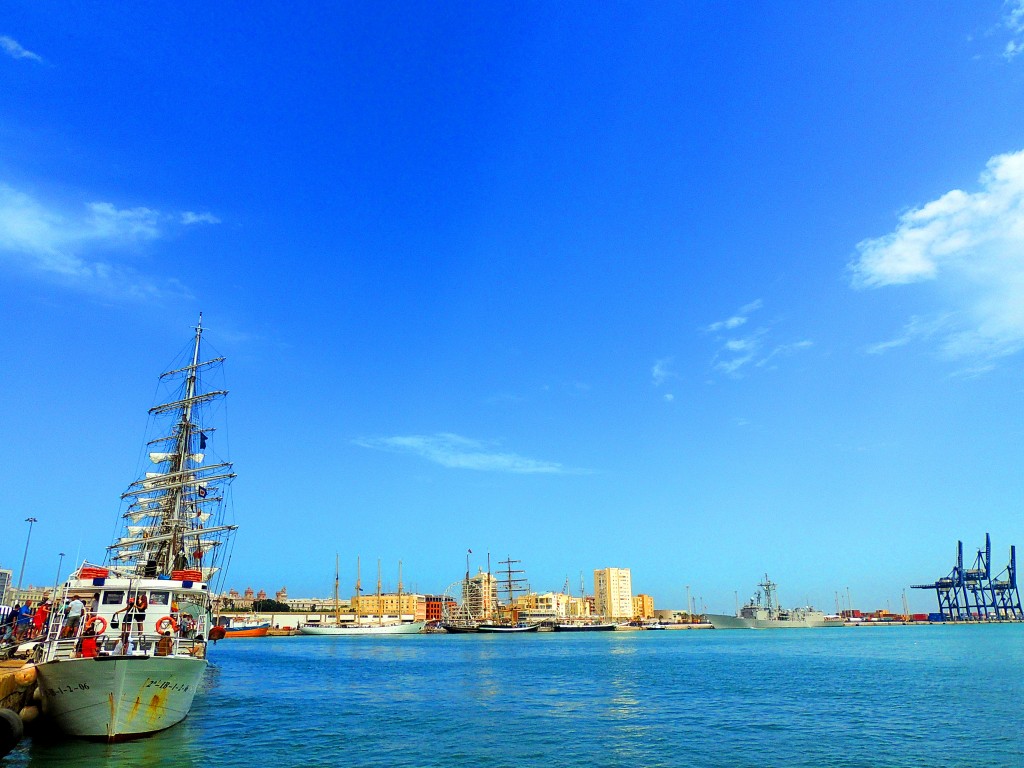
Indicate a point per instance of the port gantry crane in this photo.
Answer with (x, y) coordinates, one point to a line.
(972, 594)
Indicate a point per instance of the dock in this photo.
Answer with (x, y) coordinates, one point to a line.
(19, 698)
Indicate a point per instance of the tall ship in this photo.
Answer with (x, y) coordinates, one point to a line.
(506, 619)
(361, 627)
(763, 612)
(127, 657)
(479, 609)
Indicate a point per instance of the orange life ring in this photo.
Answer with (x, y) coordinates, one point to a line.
(162, 623)
(90, 620)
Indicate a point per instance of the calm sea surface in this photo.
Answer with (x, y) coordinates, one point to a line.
(888, 696)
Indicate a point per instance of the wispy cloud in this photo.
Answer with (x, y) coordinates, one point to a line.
(970, 247)
(50, 243)
(458, 452)
(1013, 21)
(662, 371)
(191, 217)
(739, 352)
(14, 49)
(740, 318)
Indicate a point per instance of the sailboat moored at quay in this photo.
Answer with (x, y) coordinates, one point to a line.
(128, 657)
(359, 626)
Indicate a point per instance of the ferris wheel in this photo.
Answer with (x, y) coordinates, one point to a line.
(462, 606)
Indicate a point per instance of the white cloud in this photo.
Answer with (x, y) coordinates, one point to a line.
(458, 452)
(1014, 22)
(109, 223)
(190, 217)
(669, 397)
(751, 350)
(970, 247)
(736, 320)
(13, 49)
(59, 246)
(661, 371)
(784, 350)
(736, 353)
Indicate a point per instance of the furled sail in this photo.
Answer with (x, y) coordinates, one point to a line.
(175, 515)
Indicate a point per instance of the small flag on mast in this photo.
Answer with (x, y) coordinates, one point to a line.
(202, 440)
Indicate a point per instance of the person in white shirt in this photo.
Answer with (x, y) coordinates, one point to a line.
(74, 617)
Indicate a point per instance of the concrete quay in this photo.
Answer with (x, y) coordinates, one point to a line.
(18, 701)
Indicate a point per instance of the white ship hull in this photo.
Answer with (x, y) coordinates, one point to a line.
(365, 629)
(721, 621)
(118, 697)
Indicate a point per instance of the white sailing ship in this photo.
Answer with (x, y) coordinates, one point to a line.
(126, 671)
(362, 625)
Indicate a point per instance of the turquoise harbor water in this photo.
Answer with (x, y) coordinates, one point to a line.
(887, 696)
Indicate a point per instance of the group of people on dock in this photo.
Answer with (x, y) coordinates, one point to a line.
(25, 623)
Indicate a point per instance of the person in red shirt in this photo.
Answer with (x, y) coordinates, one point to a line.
(39, 619)
(87, 645)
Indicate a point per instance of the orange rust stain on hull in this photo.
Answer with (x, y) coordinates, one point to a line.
(135, 708)
(157, 705)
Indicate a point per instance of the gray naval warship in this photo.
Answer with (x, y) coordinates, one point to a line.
(763, 612)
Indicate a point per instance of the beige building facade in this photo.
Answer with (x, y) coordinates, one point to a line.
(613, 593)
(643, 607)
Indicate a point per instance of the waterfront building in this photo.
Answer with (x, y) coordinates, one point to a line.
(580, 607)
(643, 607)
(480, 594)
(613, 593)
(6, 579)
(555, 604)
(316, 604)
(435, 606)
(541, 607)
(31, 593)
(413, 606)
(233, 601)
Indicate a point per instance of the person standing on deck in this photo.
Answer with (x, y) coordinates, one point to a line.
(141, 604)
(75, 610)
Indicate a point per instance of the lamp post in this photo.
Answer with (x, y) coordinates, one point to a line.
(56, 580)
(30, 521)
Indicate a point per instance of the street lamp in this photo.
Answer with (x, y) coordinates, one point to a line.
(30, 521)
(56, 580)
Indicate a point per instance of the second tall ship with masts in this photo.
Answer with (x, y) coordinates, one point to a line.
(480, 609)
(363, 625)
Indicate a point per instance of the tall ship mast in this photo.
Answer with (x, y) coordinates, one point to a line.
(512, 583)
(174, 519)
(136, 628)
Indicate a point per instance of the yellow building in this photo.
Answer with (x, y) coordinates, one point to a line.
(613, 593)
(643, 607)
(579, 607)
(413, 606)
(549, 605)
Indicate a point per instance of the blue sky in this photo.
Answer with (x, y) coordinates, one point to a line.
(704, 290)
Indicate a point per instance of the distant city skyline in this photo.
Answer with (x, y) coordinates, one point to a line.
(704, 291)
